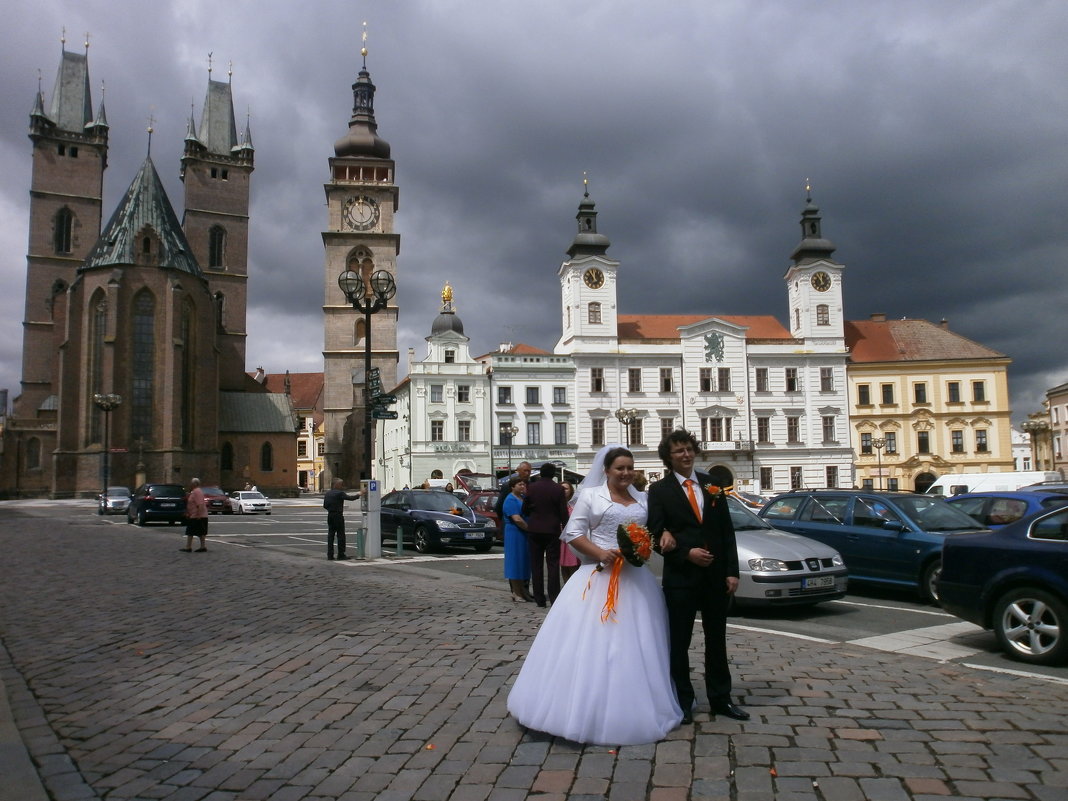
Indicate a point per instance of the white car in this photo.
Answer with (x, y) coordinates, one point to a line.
(244, 502)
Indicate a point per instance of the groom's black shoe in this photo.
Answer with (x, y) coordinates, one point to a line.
(730, 710)
(687, 718)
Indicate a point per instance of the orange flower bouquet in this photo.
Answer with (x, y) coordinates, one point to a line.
(636, 546)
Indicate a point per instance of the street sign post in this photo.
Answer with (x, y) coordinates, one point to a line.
(383, 414)
(385, 400)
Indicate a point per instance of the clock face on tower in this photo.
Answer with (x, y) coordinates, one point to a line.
(594, 278)
(361, 213)
(821, 282)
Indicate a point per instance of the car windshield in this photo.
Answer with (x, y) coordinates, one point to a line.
(212, 491)
(439, 502)
(743, 519)
(934, 514)
(118, 492)
(252, 496)
(166, 491)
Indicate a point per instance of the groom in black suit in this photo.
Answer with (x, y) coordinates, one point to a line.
(693, 531)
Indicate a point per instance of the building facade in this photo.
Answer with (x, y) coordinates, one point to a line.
(361, 199)
(925, 401)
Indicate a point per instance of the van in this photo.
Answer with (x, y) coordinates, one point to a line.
(959, 483)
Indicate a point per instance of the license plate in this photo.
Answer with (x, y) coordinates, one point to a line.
(475, 535)
(817, 583)
(168, 505)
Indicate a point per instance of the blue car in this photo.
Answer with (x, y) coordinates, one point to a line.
(1014, 581)
(890, 538)
(997, 509)
(429, 519)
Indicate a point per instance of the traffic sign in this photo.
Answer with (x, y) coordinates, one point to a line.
(385, 400)
(383, 414)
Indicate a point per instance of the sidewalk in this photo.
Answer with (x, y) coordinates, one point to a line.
(134, 671)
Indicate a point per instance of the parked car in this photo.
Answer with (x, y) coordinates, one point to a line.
(997, 509)
(1015, 581)
(777, 568)
(431, 518)
(218, 502)
(249, 502)
(113, 501)
(892, 538)
(157, 502)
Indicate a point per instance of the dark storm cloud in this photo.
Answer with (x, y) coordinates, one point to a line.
(933, 135)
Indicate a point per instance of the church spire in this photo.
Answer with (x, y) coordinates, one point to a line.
(587, 241)
(362, 138)
(218, 128)
(812, 246)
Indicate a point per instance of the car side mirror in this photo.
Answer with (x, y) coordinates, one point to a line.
(894, 525)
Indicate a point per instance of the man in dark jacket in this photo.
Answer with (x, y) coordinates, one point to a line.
(334, 503)
(690, 521)
(545, 510)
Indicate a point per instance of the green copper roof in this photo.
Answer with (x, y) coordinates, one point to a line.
(256, 412)
(144, 207)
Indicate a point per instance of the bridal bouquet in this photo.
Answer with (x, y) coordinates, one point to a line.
(636, 546)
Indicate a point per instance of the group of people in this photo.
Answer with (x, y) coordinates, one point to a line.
(626, 675)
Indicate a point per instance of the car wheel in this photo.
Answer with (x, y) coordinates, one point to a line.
(268, 513)
(141, 518)
(929, 581)
(422, 540)
(240, 509)
(129, 517)
(1032, 626)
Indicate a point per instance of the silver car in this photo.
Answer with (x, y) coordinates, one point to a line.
(777, 568)
(114, 501)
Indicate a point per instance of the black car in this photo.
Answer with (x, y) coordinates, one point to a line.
(218, 501)
(892, 538)
(157, 502)
(1013, 580)
(431, 518)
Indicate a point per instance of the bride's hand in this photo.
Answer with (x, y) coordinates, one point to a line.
(607, 559)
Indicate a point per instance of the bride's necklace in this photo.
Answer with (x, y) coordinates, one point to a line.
(625, 500)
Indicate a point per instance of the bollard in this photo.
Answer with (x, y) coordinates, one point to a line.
(400, 540)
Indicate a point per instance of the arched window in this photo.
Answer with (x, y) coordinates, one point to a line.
(357, 332)
(226, 457)
(594, 313)
(142, 366)
(217, 247)
(64, 225)
(266, 457)
(33, 454)
(187, 375)
(823, 314)
(360, 261)
(220, 310)
(98, 310)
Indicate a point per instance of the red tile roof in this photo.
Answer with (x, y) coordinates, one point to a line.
(909, 341)
(518, 349)
(666, 326)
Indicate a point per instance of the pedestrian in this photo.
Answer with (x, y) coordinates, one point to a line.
(334, 503)
(569, 561)
(690, 521)
(516, 552)
(196, 517)
(593, 676)
(545, 511)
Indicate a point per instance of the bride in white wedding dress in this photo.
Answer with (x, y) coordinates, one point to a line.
(592, 681)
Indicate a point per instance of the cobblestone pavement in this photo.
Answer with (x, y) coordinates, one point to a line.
(135, 671)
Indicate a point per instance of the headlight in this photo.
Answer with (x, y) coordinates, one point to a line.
(446, 524)
(767, 565)
(837, 561)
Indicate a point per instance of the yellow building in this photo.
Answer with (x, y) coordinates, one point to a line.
(923, 402)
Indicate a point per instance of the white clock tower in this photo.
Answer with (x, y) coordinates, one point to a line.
(814, 284)
(361, 199)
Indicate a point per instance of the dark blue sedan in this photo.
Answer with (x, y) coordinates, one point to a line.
(997, 509)
(1015, 581)
(429, 519)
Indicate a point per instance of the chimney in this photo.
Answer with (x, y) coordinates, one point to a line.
(260, 376)
(944, 324)
(878, 317)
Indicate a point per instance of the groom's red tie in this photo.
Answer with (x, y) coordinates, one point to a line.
(693, 498)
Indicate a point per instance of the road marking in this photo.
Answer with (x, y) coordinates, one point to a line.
(1024, 673)
(934, 612)
(781, 633)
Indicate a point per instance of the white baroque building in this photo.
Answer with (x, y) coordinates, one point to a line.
(768, 404)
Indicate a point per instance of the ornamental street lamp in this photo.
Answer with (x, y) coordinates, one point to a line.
(879, 443)
(511, 431)
(626, 417)
(367, 296)
(107, 403)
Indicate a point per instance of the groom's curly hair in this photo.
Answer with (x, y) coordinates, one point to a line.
(680, 436)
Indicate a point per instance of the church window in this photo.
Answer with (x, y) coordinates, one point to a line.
(217, 246)
(187, 376)
(64, 225)
(33, 454)
(226, 457)
(823, 314)
(219, 301)
(146, 245)
(97, 330)
(357, 331)
(266, 457)
(594, 313)
(226, 175)
(143, 366)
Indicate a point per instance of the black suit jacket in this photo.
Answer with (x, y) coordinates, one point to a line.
(670, 510)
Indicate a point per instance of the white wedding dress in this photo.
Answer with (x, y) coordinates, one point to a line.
(606, 683)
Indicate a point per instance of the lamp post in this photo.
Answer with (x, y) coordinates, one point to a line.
(626, 417)
(106, 403)
(511, 431)
(367, 296)
(879, 443)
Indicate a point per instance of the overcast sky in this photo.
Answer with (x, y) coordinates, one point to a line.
(935, 135)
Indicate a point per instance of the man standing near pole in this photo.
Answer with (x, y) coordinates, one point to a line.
(334, 503)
